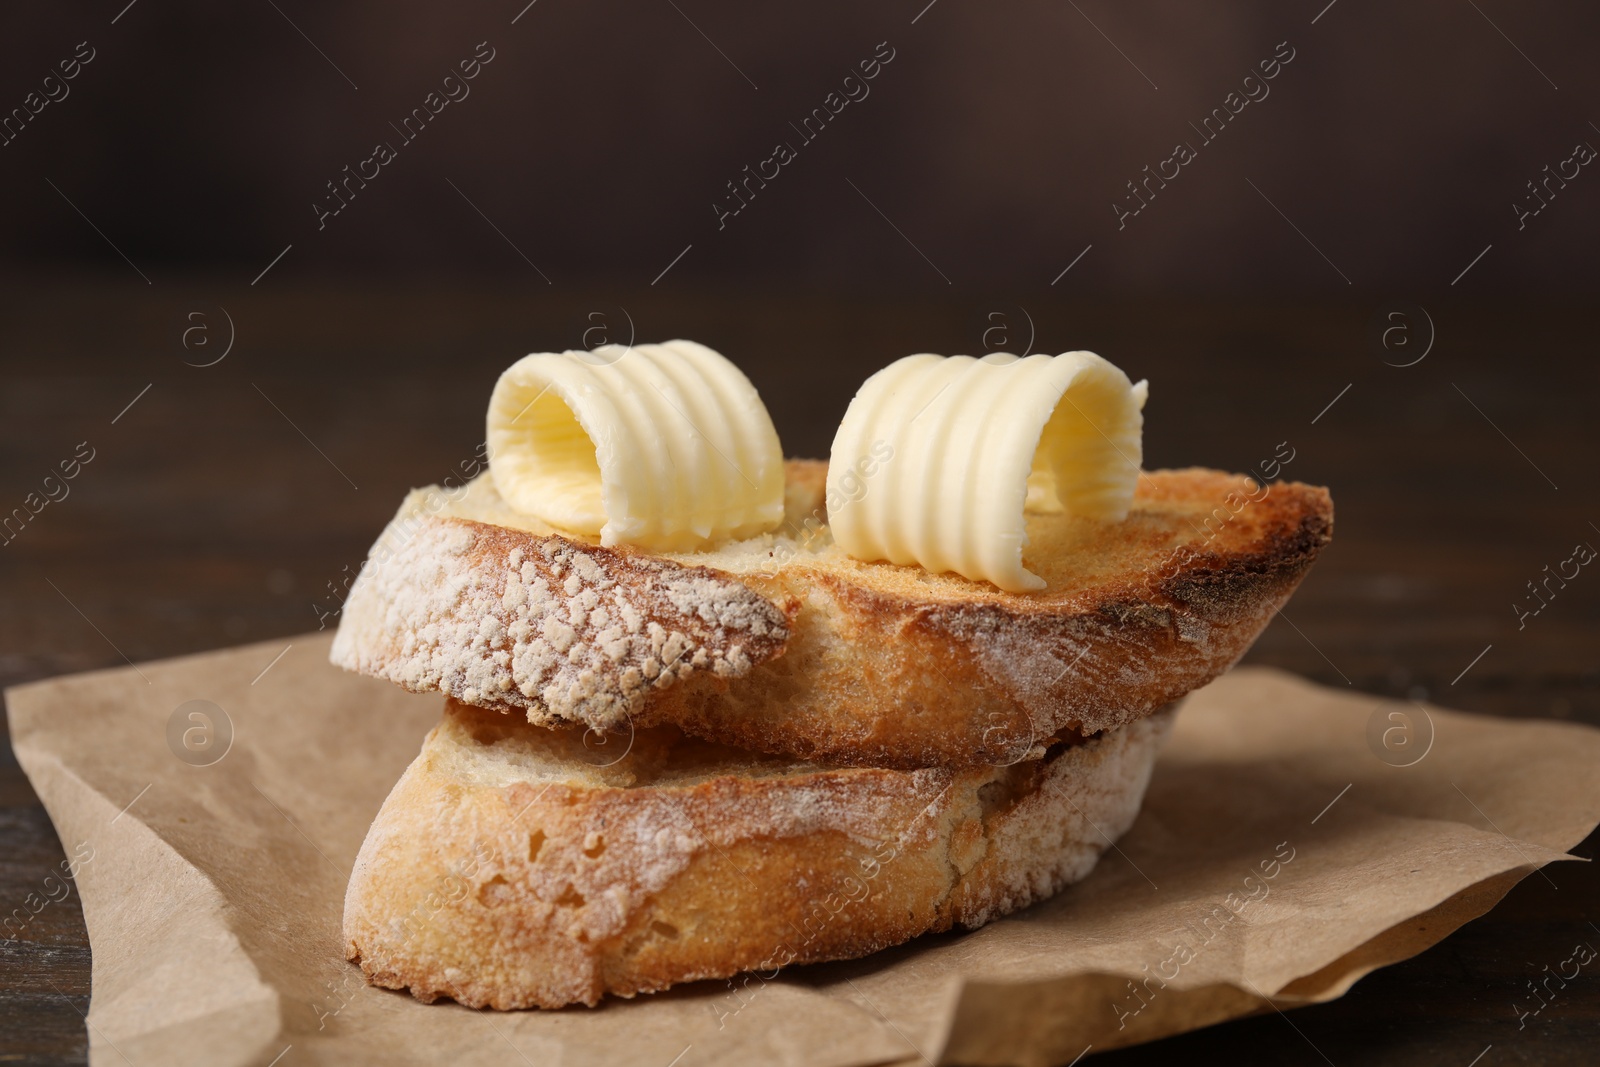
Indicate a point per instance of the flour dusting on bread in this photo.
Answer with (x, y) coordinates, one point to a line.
(569, 631)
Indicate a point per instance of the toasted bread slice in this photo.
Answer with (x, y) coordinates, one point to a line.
(783, 643)
(512, 866)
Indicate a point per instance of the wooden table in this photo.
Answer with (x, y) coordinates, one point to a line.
(222, 503)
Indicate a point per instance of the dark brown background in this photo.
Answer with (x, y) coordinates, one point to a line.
(223, 502)
(997, 140)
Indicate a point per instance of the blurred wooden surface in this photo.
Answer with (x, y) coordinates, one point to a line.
(220, 506)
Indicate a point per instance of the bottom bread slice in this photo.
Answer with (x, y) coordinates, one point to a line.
(515, 866)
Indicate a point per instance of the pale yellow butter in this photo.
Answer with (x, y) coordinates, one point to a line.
(665, 447)
(974, 444)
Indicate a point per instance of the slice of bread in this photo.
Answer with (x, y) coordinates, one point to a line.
(784, 644)
(516, 866)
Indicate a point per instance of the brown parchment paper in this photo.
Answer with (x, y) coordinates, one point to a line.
(1279, 857)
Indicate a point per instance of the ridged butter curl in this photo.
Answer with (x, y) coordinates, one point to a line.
(665, 447)
(972, 445)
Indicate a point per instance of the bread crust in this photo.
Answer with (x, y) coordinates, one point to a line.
(505, 870)
(861, 663)
(568, 631)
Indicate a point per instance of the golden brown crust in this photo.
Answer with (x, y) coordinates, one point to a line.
(569, 631)
(505, 870)
(891, 666)
(881, 665)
